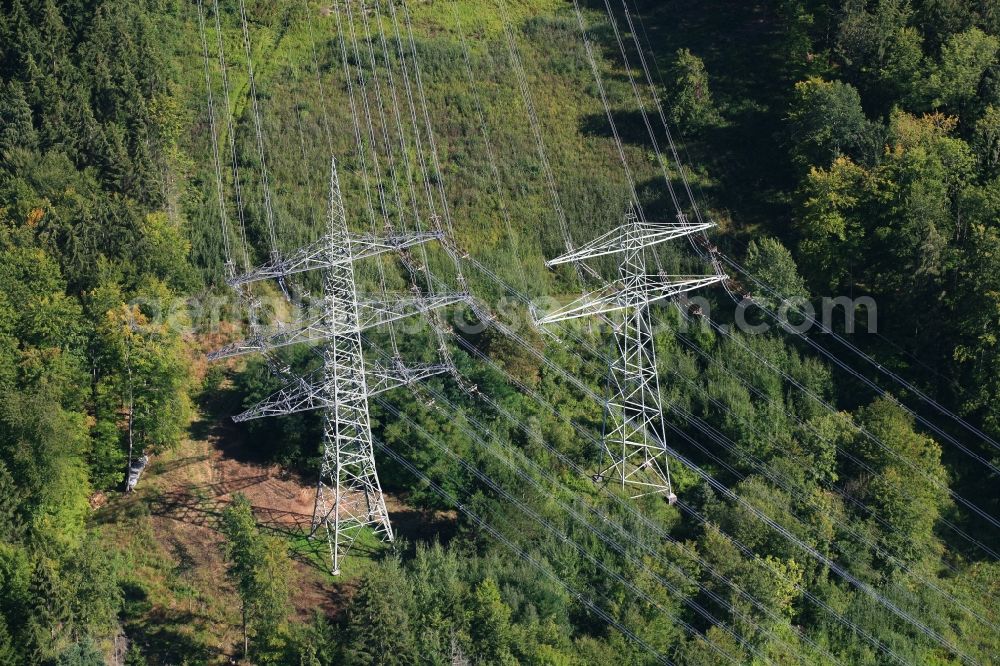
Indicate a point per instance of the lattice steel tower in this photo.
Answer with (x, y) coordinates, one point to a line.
(633, 435)
(348, 495)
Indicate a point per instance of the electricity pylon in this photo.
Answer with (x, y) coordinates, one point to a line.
(633, 437)
(348, 495)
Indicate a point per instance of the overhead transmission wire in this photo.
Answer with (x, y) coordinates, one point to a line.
(495, 277)
(619, 528)
(360, 139)
(635, 90)
(617, 546)
(945, 519)
(843, 573)
(671, 142)
(536, 129)
(582, 431)
(451, 237)
(694, 203)
(732, 263)
(485, 316)
(943, 487)
(326, 125)
(560, 535)
(598, 562)
(383, 122)
(830, 564)
(319, 77)
(679, 166)
(216, 161)
(587, 391)
(304, 164)
(865, 380)
(792, 536)
(611, 543)
(805, 424)
(859, 582)
(584, 389)
(636, 205)
(645, 118)
(942, 409)
(265, 179)
(234, 162)
(425, 109)
(421, 158)
(488, 146)
(931, 634)
(709, 253)
(602, 93)
(950, 381)
(494, 165)
(871, 591)
(439, 397)
(404, 151)
(687, 185)
(437, 323)
(244, 292)
(517, 550)
(411, 268)
(788, 485)
(447, 242)
(435, 318)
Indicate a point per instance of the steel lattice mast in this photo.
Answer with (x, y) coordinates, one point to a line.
(348, 494)
(633, 435)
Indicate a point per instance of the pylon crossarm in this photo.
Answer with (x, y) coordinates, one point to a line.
(309, 393)
(629, 236)
(382, 379)
(591, 303)
(366, 245)
(313, 256)
(377, 312)
(302, 395)
(318, 256)
(674, 285)
(613, 299)
(249, 346)
(371, 313)
(311, 331)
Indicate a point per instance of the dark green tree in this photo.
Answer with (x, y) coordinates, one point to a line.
(260, 569)
(956, 77)
(490, 625)
(906, 500)
(84, 653)
(825, 120)
(772, 263)
(380, 623)
(691, 105)
(16, 127)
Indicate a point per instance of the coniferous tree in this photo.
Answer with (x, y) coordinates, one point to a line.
(259, 568)
(490, 625)
(380, 628)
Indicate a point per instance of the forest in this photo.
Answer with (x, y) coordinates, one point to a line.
(838, 484)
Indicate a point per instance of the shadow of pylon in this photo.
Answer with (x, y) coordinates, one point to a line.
(163, 467)
(226, 487)
(206, 512)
